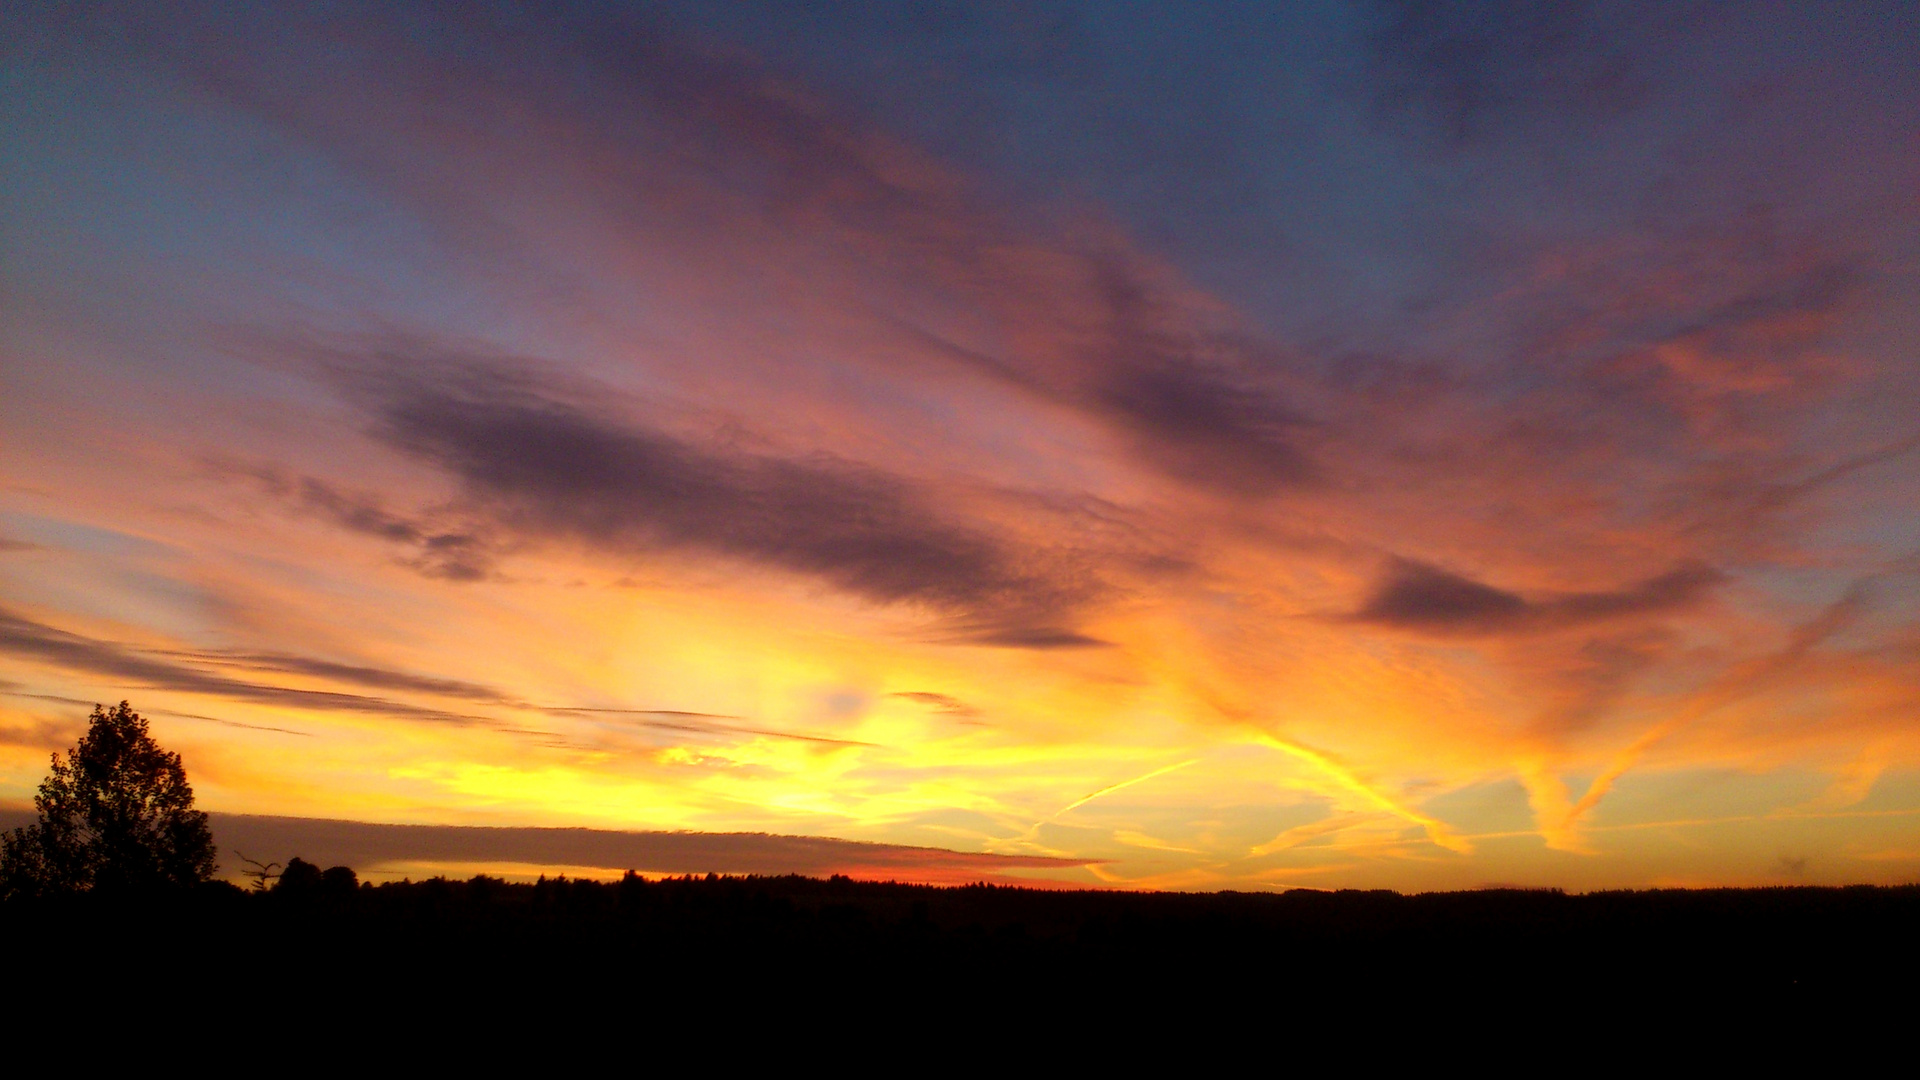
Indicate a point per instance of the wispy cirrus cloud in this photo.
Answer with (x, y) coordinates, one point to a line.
(23, 637)
(354, 674)
(224, 675)
(457, 553)
(945, 704)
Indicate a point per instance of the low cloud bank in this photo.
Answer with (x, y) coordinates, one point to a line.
(367, 847)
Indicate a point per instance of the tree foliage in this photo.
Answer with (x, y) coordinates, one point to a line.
(117, 813)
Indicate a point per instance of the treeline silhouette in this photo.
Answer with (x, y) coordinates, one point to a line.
(850, 939)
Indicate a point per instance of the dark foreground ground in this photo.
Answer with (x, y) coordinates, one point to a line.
(794, 949)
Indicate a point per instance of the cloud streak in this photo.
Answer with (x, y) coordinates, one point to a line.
(163, 670)
(1418, 597)
(547, 468)
(26, 638)
(450, 554)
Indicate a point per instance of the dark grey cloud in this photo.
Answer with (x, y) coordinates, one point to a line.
(364, 845)
(1028, 637)
(544, 467)
(1416, 596)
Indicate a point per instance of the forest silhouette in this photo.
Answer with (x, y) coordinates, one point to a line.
(134, 891)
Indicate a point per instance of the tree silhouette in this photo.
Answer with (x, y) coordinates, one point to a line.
(300, 876)
(258, 872)
(116, 814)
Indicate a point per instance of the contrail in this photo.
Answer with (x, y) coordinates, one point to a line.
(1110, 788)
(1743, 681)
(1437, 830)
(1300, 834)
(1032, 835)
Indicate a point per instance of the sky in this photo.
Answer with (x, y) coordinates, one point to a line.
(1130, 445)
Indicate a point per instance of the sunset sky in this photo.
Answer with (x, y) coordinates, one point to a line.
(1160, 446)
